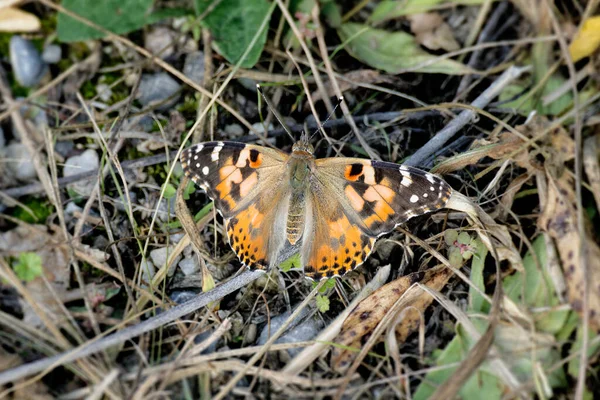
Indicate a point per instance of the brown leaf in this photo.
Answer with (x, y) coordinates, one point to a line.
(559, 220)
(366, 316)
(432, 32)
(55, 262)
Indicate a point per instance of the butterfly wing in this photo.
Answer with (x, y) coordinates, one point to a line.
(245, 182)
(354, 201)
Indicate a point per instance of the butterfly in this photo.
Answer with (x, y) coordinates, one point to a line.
(331, 209)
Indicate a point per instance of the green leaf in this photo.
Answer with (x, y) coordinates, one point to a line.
(534, 288)
(323, 303)
(390, 9)
(117, 16)
(170, 191)
(394, 52)
(28, 267)
(233, 24)
(37, 211)
(291, 263)
(476, 300)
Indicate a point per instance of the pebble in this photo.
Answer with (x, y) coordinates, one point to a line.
(64, 148)
(86, 161)
(260, 128)
(155, 88)
(306, 330)
(148, 271)
(160, 41)
(160, 256)
(104, 92)
(193, 66)
(52, 54)
(234, 130)
(26, 62)
(19, 162)
(189, 266)
(181, 296)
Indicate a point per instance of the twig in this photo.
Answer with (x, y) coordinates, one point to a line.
(47, 364)
(465, 116)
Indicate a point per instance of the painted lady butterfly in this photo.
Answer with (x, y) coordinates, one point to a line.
(333, 209)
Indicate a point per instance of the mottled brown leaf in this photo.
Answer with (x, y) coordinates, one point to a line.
(368, 314)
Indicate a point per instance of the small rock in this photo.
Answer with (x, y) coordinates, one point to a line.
(160, 256)
(160, 42)
(121, 203)
(64, 148)
(234, 130)
(166, 210)
(148, 271)
(52, 54)
(260, 128)
(306, 330)
(248, 83)
(27, 65)
(104, 92)
(155, 88)
(193, 66)
(189, 266)
(182, 296)
(250, 334)
(86, 161)
(19, 162)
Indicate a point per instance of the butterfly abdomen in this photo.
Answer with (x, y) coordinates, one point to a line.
(295, 218)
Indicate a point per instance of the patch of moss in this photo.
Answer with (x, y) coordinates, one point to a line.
(41, 211)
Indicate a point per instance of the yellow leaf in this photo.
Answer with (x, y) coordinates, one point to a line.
(587, 40)
(15, 20)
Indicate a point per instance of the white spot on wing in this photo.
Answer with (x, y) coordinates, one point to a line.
(432, 188)
(414, 198)
(425, 195)
(406, 181)
(205, 170)
(430, 178)
(199, 148)
(214, 156)
(197, 165)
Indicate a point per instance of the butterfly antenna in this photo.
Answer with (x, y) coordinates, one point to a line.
(322, 126)
(274, 111)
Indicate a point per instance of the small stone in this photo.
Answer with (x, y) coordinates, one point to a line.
(156, 88)
(260, 128)
(64, 148)
(234, 130)
(193, 66)
(18, 162)
(189, 266)
(148, 272)
(160, 42)
(160, 257)
(27, 65)
(104, 92)
(52, 54)
(182, 296)
(86, 161)
(298, 332)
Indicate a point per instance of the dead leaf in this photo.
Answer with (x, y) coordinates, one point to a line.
(55, 262)
(35, 390)
(559, 220)
(15, 20)
(432, 32)
(366, 316)
(587, 40)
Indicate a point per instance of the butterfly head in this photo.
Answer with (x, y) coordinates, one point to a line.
(303, 147)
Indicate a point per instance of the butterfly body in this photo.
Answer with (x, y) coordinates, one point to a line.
(331, 209)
